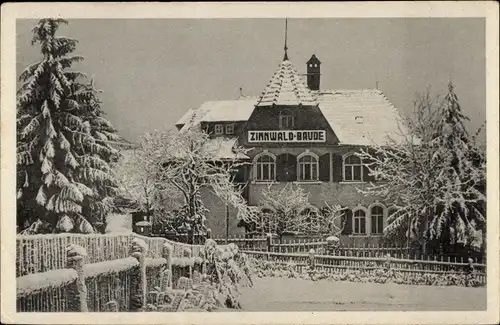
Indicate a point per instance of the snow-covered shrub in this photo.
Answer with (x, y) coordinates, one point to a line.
(381, 274)
(225, 270)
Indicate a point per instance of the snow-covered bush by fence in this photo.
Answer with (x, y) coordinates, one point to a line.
(224, 270)
(376, 273)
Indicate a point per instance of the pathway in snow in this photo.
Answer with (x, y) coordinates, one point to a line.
(283, 294)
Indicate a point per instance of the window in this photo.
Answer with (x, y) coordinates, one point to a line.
(308, 168)
(359, 222)
(353, 169)
(265, 168)
(287, 121)
(219, 129)
(230, 128)
(377, 215)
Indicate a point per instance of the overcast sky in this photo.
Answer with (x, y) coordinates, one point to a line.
(152, 70)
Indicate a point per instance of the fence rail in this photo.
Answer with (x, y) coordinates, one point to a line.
(343, 264)
(41, 253)
(46, 283)
(321, 247)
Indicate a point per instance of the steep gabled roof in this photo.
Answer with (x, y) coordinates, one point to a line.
(185, 118)
(238, 110)
(229, 110)
(313, 59)
(358, 117)
(286, 87)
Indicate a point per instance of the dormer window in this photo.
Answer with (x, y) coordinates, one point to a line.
(230, 128)
(219, 129)
(287, 121)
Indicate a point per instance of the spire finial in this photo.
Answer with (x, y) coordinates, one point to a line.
(241, 93)
(286, 34)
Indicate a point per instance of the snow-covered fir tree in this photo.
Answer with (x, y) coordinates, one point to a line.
(64, 181)
(435, 176)
(460, 181)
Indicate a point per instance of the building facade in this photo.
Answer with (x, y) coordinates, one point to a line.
(300, 133)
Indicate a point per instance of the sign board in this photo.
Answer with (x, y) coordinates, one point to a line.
(287, 136)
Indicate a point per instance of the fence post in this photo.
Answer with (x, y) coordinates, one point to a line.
(187, 253)
(387, 262)
(167, 252)
(139, 251)
(269, 242)
(76, 254)
(312, 259)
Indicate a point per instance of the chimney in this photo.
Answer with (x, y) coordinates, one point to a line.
(313, 73)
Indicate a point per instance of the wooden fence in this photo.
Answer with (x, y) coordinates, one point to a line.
(110, 276)
(41, 253)
(320, 246)
(343, 264)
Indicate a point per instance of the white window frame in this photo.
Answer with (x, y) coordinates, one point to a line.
(302, 165)
(372, 220)
(355, 218)
(219, 129)
(345, 165)
(257, 165)
(230, 128)
(288, 118)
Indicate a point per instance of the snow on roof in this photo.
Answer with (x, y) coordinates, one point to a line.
(220, 111)
(186, 117)
(143, 223)
(286, 87)
(228, 110)
(360, 117)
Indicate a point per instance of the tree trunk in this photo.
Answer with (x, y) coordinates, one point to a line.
(426, 229)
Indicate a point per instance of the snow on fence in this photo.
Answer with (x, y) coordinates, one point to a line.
(343, 264)
(255, 244)
(52, 277)
(321, 247)
(41, 253)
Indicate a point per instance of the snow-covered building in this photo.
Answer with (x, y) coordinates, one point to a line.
(301, 133)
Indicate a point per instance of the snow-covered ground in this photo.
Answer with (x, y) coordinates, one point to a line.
(283, 294)
(119, 223)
